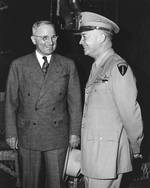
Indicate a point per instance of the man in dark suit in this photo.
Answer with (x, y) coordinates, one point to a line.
(43, 108)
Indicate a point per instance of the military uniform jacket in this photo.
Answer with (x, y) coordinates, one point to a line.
(42, 112)
(112, 123)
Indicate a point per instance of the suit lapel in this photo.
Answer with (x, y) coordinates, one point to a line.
(53, 69)
(53, 72)
(35, 71)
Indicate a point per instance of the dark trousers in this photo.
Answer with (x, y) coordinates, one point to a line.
(37, 175)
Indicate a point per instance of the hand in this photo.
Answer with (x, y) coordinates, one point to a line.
(12, 142)
(74, 141)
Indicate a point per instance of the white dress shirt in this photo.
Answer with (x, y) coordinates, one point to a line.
(40, 58)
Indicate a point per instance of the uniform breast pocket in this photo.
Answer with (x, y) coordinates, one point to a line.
(101, 86)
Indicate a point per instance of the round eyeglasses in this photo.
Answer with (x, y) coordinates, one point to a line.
(47, 38)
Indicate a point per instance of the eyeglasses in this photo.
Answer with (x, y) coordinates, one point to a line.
(47, 38)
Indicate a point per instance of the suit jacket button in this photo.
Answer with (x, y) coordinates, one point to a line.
(55, 123)
(34, 123)
(53, 108)
(36, 108)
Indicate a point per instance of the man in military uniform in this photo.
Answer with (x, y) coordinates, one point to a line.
(112, 128)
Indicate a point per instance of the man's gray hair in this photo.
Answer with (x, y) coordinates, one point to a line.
(37, 24)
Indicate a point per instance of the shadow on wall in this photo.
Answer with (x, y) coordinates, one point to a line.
(143, 62)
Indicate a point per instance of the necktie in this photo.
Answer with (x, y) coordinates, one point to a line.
(45, 65)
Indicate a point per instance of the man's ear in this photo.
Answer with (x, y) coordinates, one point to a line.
(101, 38)
(33, 40)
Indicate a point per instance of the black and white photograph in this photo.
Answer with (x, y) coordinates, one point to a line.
(75, 94)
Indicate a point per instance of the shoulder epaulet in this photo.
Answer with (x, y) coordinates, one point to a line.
(122, 67)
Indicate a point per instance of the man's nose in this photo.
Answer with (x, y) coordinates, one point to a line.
(81, 41)
(49, 41)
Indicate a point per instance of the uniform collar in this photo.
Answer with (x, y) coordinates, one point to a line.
(101, 59)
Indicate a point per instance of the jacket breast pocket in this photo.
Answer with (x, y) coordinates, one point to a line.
(101, 85)
(63, 77)
(60, 86)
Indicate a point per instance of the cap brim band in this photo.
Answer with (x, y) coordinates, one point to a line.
(89, 28)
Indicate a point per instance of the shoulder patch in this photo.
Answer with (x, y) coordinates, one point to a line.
(122, 68)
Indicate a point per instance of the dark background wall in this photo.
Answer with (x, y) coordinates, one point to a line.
(132, 43)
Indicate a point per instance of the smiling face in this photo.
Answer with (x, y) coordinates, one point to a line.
(45, 39)
(91, 41)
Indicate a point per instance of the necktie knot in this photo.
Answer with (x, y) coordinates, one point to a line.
(45, 65)
(45, 58)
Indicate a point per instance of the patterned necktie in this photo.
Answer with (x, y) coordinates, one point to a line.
(45, 65)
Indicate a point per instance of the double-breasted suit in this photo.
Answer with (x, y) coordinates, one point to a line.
(42, 112)
(112, 123)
